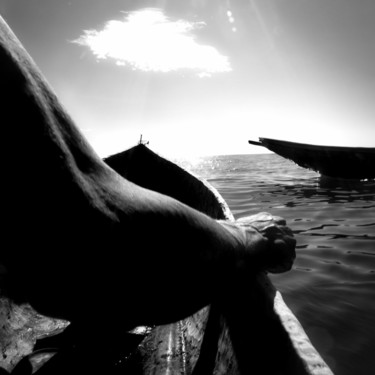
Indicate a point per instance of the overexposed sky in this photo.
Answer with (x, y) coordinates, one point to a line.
(147, 40)
(202, 77)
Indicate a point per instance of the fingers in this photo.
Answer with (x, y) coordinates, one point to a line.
(269, 243)
(281, 248)
(277, 231)
(279, 220)
(261, 220)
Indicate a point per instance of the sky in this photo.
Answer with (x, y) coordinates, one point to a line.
(202, 77)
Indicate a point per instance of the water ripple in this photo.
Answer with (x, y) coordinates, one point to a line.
(331, 287)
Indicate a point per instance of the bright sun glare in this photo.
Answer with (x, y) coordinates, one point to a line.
(148, 40)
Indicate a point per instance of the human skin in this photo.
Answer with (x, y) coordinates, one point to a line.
(82, 243)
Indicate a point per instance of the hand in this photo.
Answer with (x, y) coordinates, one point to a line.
(277, 253)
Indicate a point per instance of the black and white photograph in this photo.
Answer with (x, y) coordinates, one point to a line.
(188, 187)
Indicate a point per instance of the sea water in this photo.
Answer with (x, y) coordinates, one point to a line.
(331, 288)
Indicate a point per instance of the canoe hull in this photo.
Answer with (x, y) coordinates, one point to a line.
(331, 161)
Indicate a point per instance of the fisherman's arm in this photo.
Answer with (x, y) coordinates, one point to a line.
(189, 257)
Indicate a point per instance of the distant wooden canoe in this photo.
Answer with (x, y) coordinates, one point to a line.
(256, 333)
(331, 161)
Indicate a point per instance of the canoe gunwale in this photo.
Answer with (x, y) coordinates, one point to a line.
(266, 141)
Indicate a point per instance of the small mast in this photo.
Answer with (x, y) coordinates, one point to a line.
(142, 142)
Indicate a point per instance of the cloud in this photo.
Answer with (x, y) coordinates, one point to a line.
(148, 40)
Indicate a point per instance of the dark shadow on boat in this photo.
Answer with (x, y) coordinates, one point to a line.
(256, 333)
(258, 330)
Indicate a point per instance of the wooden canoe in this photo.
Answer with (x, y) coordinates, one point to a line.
(254, 333)
(257, 334)
(331, 161)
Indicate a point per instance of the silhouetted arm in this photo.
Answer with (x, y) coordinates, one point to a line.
(79, 232)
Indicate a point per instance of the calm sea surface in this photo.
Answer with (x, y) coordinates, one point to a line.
(331, 287)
